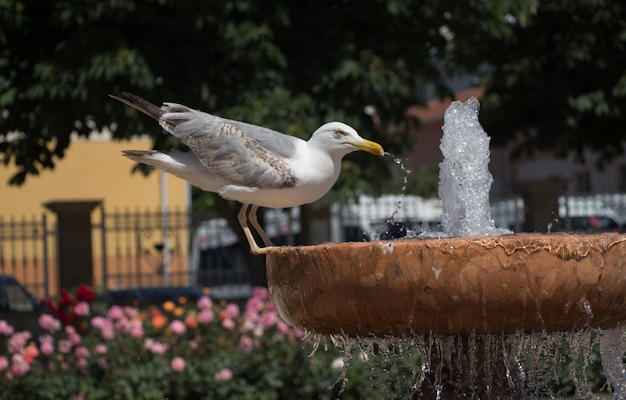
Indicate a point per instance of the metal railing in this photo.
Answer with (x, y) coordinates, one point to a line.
(28, 252)
(138, 248)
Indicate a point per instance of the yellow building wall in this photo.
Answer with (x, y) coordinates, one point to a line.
(94, 170)
(90, 170)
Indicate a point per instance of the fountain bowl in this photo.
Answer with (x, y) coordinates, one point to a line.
(486, 284)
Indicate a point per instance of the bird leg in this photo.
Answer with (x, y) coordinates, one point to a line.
(243, 221)
(252, 217)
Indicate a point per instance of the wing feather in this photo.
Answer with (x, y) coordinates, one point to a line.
(231, 154)
(240, 153)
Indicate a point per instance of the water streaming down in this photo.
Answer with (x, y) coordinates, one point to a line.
(393, 229)
(613, 350)
(405, 178)
(397, 228)
(537, 364)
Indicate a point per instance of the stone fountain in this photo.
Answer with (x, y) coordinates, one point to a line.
(477, 288)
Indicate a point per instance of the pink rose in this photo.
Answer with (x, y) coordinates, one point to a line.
(74, 338)
(136, 329)
(18, 341)
(82, 309)
(81, 352)
(178, 327)
(228, 324)
(224, 374)
(131, 312)
(204, 303)
(101, 348)
(48, 322)
(268, 319)
(246, 345)
(254, 304)
(98, 322)
(5, 328)
(81, 362)
(260, 293)
(65, 346)
(122, 326)
(178, 364)
(155, 347)
(107, 330)
(47, 347)
(206, 316)
(19, 366)
(116, 312)
(231, 311)
(283, 327)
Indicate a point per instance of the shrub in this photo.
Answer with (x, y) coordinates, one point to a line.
(177, 351)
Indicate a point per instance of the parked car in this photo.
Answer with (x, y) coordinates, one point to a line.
(153, 295)
(17, 306)
(596, 223)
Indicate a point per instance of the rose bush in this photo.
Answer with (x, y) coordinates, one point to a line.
(178, 351)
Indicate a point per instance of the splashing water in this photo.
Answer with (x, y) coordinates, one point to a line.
(393, 229)
(399, 229)
(464, 178)
(405, 179)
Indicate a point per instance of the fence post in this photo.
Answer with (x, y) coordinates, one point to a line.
(45, 255)
(74, 245)
(103, 244)
(541, 203)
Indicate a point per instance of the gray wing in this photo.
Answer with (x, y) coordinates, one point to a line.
(243, 154)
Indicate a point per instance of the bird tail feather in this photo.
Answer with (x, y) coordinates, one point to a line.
(140, 104)
(139, 155)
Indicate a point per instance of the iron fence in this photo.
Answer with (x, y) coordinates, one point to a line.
(28, 252)
(139, 248)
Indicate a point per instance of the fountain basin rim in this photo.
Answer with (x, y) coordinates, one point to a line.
(482, 284)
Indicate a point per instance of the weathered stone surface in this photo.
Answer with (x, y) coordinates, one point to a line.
(489, 284)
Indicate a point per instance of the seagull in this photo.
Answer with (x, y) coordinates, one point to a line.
(253, 165)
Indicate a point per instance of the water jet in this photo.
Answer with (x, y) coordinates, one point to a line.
(485, 292)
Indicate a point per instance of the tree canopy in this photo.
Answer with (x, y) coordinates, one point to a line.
(553, 71)
(286, 65)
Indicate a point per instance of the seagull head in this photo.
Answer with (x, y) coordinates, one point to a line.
(340, 139)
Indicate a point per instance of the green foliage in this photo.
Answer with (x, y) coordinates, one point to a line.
(288, 66)
(553, 71)
(256, 357)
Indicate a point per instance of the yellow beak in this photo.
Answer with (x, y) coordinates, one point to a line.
(370, 147)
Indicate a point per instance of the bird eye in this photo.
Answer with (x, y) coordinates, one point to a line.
(339, 133)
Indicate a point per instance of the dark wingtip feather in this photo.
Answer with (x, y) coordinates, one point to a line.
(138, 153)
(140, 104)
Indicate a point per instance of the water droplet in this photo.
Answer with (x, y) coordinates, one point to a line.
(405, 180)
(587, 308)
